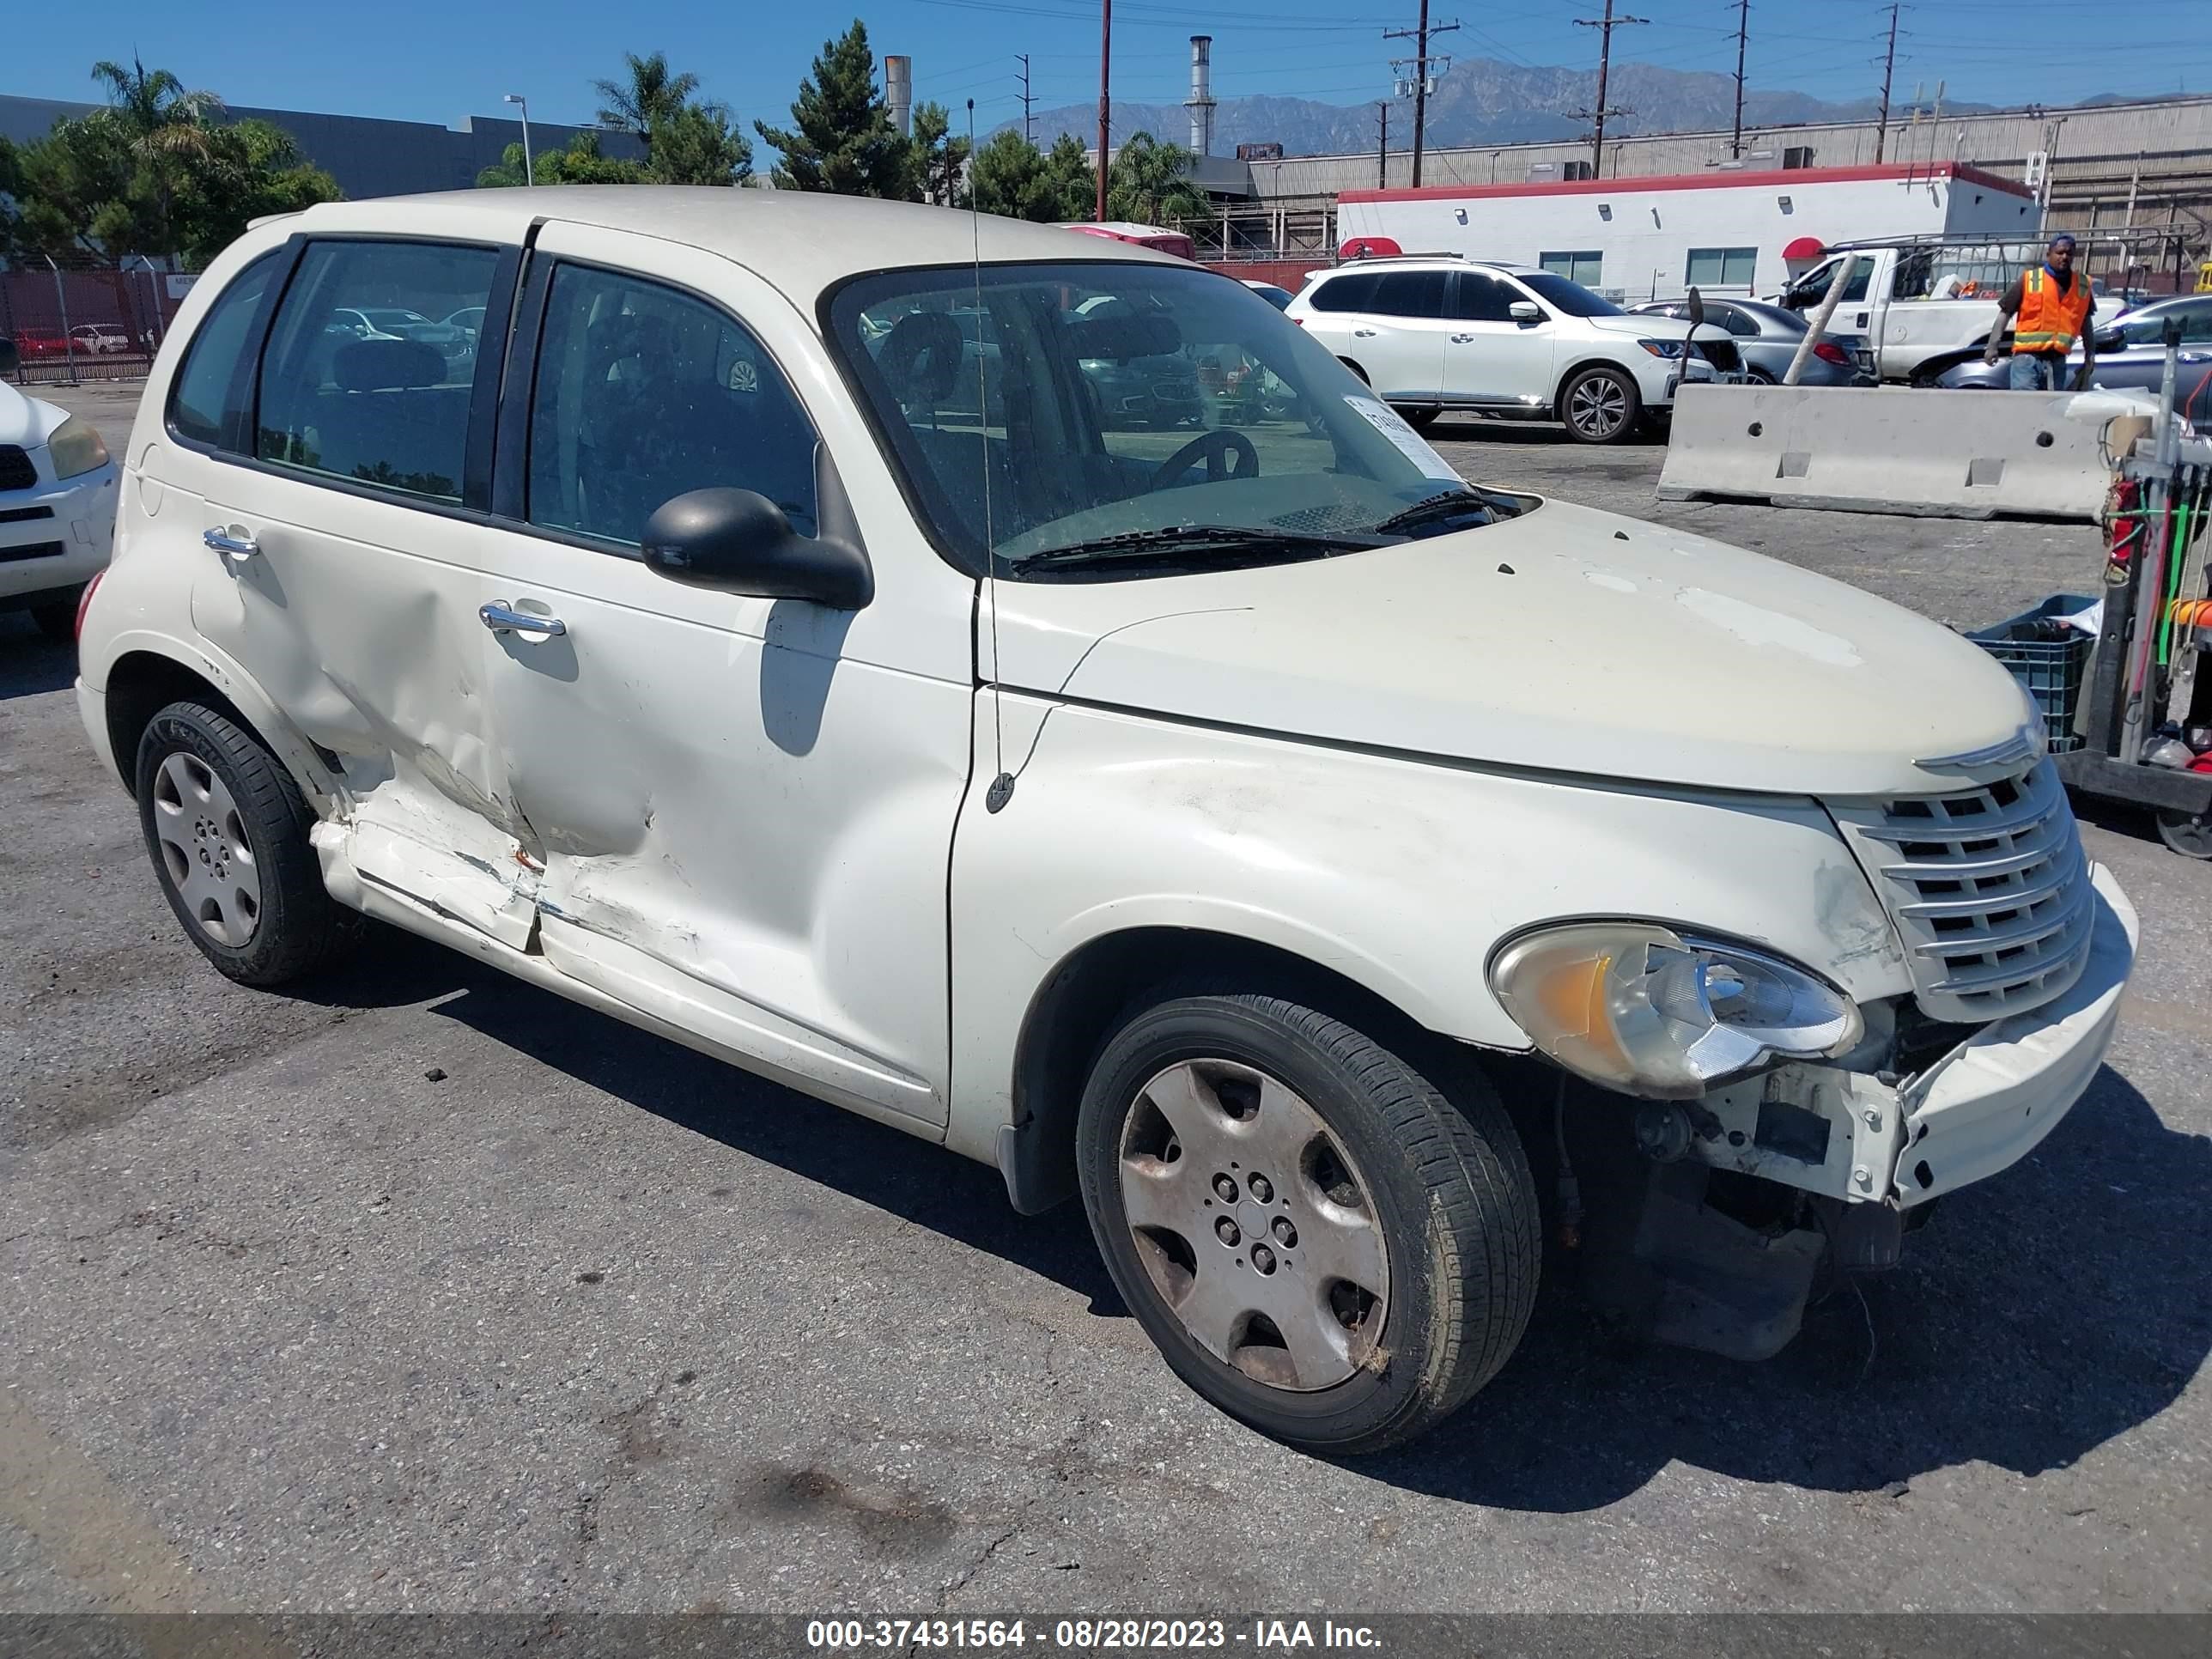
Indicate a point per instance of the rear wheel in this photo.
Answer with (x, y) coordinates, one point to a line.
(2186, 833)
(1421, 419)
(1320, 1242)
(226, 830)
(1600, 406)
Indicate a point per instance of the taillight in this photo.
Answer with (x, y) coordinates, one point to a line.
(1829, 352)
(84, 603)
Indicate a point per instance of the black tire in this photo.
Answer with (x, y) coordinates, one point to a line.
(1611, 391)
(1452, 1205)
(2189, 835)
(299, 929)
(1421, 419)
(57, 621)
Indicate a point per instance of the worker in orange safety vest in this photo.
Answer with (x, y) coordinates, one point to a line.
(2049, 307)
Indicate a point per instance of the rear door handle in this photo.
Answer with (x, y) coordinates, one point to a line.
(500, 620)
(233, 542)
(1462, 339)
(1363, 333)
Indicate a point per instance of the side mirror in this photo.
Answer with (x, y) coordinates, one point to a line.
(1526, 313)
(739, 542)
(2112, 340)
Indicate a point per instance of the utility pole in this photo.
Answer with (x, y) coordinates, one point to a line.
(1607, 24)
(1888, 67)
(1105, 69)
(1383, 145)
(1742, 34)
(1419, 36)
(1028, 130)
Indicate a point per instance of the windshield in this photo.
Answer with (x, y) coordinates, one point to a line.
(1572, 298)
(1119, 406)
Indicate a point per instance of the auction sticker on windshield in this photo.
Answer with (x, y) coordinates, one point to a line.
(1391, 425)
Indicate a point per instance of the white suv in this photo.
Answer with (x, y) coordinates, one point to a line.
(1433, 333)
(1255, 829)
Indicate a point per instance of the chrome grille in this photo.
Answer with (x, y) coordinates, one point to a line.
(1988, 888)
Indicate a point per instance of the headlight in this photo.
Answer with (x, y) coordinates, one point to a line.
(1663, 348)
(1637, 1007)
(76, 447)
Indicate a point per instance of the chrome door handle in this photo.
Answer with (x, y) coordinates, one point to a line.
(500, 620)
(1462, 339)
(237, 549)
(1363, 333)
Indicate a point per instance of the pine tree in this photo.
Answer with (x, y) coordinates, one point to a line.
(840, 138)
(939, 157)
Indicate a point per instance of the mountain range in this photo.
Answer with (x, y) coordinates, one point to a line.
(1477, 101)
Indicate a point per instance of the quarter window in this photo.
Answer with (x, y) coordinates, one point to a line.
(1722, 267)
(644, 393)
(358, 383)
(1583, 265)
(200, 402)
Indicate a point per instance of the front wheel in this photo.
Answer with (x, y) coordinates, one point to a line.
(2187, 834)
(1418, 418)
(1600, 406)
(1318, 1240)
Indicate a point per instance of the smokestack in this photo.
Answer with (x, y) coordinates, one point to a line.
(898, 93)
(1201, 101)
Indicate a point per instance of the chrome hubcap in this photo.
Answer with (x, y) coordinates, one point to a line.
(1254, 1224)
(1598, 406)
(204, 850)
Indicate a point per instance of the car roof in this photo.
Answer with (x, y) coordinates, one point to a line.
(1417, 261)
(799, 242)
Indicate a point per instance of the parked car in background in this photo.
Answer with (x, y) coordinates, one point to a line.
(2130, 355)
(1278, 297)
(468, 316)
(1767, 338)
(1437, 333)
(1136, 387)
(453, 342)
(56, 509)
(96, 337)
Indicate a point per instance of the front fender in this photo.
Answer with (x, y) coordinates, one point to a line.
(1400, 875)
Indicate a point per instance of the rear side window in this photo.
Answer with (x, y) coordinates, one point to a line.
(353, 389)
(1351, 292)
(199, 403)
(644, 393)
(1410, 292)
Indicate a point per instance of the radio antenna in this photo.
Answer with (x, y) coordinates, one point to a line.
(1002, 783)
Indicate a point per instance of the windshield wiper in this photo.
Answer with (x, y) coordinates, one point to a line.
(1170, 540)
(1445, 504)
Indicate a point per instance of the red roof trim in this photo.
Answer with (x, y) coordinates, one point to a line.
(1716, 179)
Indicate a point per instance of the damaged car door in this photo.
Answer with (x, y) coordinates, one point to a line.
(340, 526)
(742, 806)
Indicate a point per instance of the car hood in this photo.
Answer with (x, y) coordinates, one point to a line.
(26, 422)
(1639, 325)
(1565, 640)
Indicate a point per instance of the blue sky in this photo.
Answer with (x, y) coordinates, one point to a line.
(415, 60)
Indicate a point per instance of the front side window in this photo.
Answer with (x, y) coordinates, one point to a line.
(2150, 330)
(1484, 299)
(1582, 266)
(198, 405)
(644, 393)
(1105, 410)
(1722, 267)
(1571, 299)
(342, 396)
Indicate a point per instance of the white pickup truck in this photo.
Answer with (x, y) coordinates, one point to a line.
(1916, 299)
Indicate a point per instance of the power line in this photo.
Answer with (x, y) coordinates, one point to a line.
(1605, 26)
(1419, 36)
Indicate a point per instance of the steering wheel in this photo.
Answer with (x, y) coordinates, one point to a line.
(1227, 451)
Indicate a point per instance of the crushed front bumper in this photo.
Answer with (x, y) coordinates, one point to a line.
(1981, 1108)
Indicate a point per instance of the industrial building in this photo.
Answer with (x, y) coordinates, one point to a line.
(368, 156)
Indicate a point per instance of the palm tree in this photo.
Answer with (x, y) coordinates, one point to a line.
(650, 96)
(159, 115)
(1149, 182)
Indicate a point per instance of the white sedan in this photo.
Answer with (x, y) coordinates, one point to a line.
(56, 509)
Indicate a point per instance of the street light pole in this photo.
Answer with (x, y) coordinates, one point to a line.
(529, 172)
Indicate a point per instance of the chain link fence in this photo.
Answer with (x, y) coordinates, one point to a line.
(71, 322)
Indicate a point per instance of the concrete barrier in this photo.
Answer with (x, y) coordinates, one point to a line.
(1892, 449)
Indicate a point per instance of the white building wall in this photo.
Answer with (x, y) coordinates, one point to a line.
(1645, 235)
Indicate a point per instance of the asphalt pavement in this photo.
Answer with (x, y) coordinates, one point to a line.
(426, 1289)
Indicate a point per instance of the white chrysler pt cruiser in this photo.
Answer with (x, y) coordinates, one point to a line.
(1339, 877)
